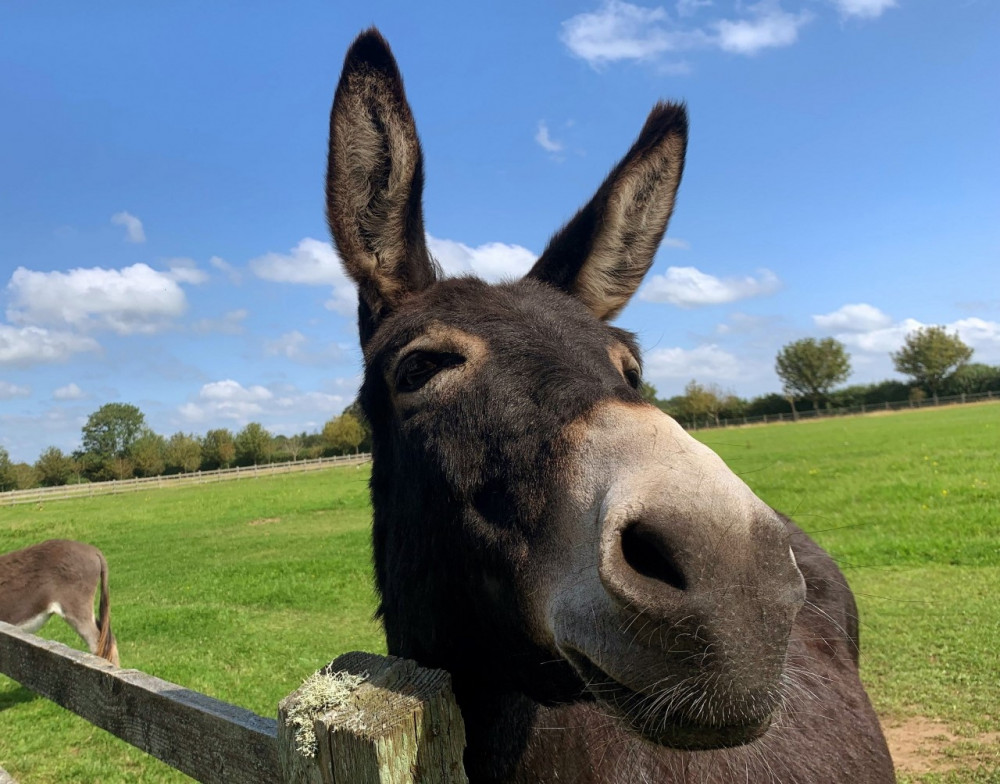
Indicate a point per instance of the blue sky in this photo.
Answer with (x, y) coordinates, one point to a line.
(162, 239)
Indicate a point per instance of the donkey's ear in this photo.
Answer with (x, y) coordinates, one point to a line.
(601, 255)
(374, 181)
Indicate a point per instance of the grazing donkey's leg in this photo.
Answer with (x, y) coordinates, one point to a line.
(78, 611)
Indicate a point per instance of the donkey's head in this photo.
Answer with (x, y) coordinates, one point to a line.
(538, 527)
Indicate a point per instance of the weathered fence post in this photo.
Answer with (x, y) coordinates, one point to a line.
(373, 720)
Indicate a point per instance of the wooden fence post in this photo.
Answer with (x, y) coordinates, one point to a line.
(377, 720)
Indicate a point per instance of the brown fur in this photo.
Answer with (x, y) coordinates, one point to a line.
(613, 603)
(59, 577)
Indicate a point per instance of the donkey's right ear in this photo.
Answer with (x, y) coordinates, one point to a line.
(374, 181)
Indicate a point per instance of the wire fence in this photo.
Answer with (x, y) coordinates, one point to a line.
(38, 494)
(706, 423)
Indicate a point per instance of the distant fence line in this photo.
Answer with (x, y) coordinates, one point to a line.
(12, 497)
(709, 423)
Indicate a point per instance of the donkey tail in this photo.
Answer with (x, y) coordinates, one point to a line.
(107, 646)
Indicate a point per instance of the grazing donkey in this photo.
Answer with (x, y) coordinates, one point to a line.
(59, 577)
(614, 604)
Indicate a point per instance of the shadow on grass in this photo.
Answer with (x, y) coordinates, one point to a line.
(15, 695)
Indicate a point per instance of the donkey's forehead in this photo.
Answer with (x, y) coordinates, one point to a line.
(523, 313)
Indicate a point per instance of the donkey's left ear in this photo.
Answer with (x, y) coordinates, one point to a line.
(602, 254)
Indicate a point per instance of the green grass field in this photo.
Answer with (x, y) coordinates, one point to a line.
(241, 589)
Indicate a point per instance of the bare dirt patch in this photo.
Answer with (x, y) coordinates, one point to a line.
(265, 521)
(922, 745)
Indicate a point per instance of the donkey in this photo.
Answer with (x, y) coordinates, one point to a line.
(613, 603)
(59, 577)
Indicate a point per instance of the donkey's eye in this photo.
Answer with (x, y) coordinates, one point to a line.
(420, 367)
(633, 378)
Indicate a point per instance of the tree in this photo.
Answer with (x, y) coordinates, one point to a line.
(26, 476)
(355, 411)
(343, 434)
(811, 368)
(253, 445)
(972, 378)
(183, 453)
(8, 478)
(218, 450)
(148, 454)
(702, 400)
(53, 468)
(648, 392)
(108, 436)
(288, 447)
(929, 356)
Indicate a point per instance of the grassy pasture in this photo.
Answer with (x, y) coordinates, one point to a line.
(241, 589)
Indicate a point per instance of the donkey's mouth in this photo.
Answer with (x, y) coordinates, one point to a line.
(649, 714)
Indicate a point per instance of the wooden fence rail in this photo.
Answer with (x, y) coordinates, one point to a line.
(392, 722)
(115, 486)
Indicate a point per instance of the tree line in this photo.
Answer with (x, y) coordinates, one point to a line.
(118, 444)
(812, 371)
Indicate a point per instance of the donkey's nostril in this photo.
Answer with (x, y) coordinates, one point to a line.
(646, 550)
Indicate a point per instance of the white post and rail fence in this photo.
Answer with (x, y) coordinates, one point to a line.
(362, 719)
(85, 489)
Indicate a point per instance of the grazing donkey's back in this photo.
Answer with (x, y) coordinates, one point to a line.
(59, 577)
(613, 603)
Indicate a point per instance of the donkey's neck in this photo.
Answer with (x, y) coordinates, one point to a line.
(514, 739)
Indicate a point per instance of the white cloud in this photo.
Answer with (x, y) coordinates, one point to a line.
(9, 391)
(622, 31)
(344, 301)
(312, 263)
(865, 9)
(130, 300)
(545, 141)
(882, 340)
(230, 400)
(69, 392)
(770, 27)
(228, 269)
(133, 226)
(706, 362)
(227, 399)
(854, 318)
(977, 331)
(295, 347)
(491, 261)
(289, 345)
(745, 324)
(982, 335)
(674, 242)
(186, 271)
(34, 345)
(690, 287)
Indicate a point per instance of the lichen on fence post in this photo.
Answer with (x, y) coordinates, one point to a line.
(376, 720)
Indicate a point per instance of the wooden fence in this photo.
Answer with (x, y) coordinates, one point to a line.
(374, 719)
(39, 494)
